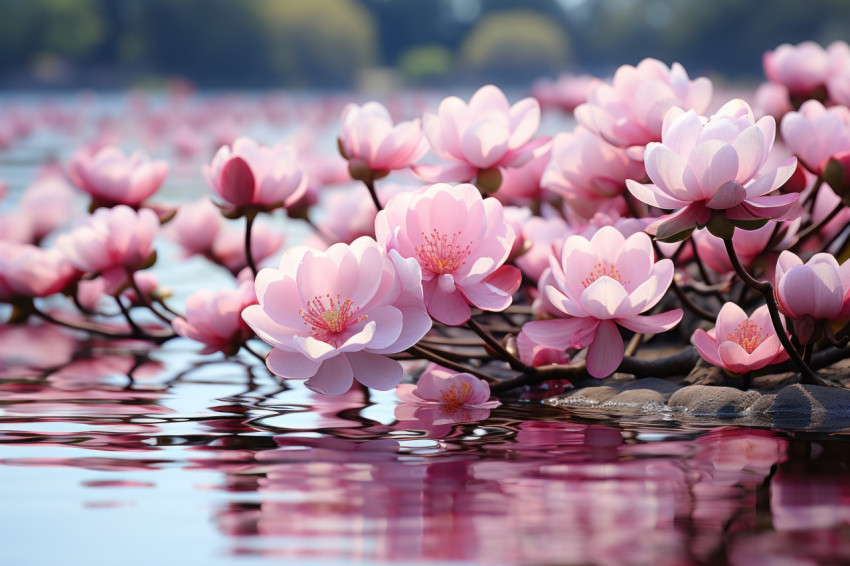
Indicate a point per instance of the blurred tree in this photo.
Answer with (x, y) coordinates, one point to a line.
(520, 44)
(425, 64)
(320, 42)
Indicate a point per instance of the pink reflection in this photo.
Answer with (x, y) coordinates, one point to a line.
(805, 502)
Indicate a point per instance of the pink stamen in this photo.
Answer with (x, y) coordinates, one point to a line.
(456, 395)
(328, 321)
(747, 335)
(599, 270)
(439, 255)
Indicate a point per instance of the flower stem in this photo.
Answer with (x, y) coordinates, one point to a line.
(249, 254)
(497, 348)
(370, 184)
(427, 354)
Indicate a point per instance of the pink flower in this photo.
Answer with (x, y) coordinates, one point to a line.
(630, 112)
(601, 283)
(739, 343)
(332, 316)
(461, 242)
(48, 202)
(488, 133)
(804, 69)
(112, 243)
(30, 271)
(711, 170)
(214, 318)
(815, 133)
(566, 93)
(817, 288)
(442, 396)
(543, 236)
(196, 226)
(111, 177)
(228, 249)
(373, 146)
(750, 245)
(522, 184)
(586, 170)
(254, 176)
(538, 355)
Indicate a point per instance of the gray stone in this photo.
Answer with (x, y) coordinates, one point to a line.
(636, 397)
(588, 396)
(813, 400)
(708, 400)
(663, 387)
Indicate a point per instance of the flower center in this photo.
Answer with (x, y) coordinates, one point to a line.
(439, 254)
(747, 335)
(602, 269)
(456, 395)
(328, 316)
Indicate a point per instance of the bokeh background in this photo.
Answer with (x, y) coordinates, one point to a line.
(382, 44)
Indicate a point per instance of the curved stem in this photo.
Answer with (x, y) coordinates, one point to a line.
(145, 300)
(766, 290)
(370, 184)
(254, 353)
(249, 254)
(431, 356)
(815, 228)
(497, 347)
(100, 331)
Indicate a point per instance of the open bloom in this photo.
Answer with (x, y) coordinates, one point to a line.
(331, 316)
(374, 146)
(816, 133)
(443, 396)
(711, 169)
(254, 176)
(214, 318)
(805, 69)
(599, 284)
(485, 134)
(461, 242)
(817, 288)
(112, 243)
(739, 343)
(111, 177)
(29, 271)
(630, 112)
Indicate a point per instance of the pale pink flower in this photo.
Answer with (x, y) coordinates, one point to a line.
(485, 134)
(815, 133)
(112, 243)
(29, 271)
(332, 316)
(522, 184)
(374, 146)
(441, 396)
(214, 318)
(630, 112)
(816, 288)
(111, 177)
(254, 176)
(195, 226)
(599, 284)
(543, 236)
(460, 240)
(739, 343)
(711, 169)
(586, 170)
(771, 99)
(537, 355)
(48, 202)
(806, 68)
(566, 92)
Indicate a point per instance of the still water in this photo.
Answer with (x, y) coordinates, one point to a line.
(111, 453)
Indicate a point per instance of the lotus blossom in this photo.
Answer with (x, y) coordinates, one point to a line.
(805, 69)
(711, 169)
(195, 226)
(112, 243)
(214, 318)
(630, 112)
(373, 146)
(29, 271)
(253, 176)
(461, 242)
(586, 170)
(818, 288)
(483, 136)
(331, 317)
(599, 284)
(111, 177)
(816, 133)
(48, 202)
(442, 396)
(738, 343)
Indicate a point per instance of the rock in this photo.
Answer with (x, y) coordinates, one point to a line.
(813, 400)
(636, 397)
(663, 387)
(705, 374)
(588, 396)
(708, 400)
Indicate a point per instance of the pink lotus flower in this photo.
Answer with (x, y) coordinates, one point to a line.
(565, 93)
(214, 318)
(461, 242)
(113, 242)
(488, 133)
(254, 176)
(111, 177)
(332, 316)
(442, 396)
(806, 68)
(586, 170)
(28, 271)
(543, 237)
(599, 284)
(48, 202)
(739, 343)
(711, 170)
(373, 146)
(521, 184)
(815, 133)
(818, 288)
(196, 226)
(630, 112)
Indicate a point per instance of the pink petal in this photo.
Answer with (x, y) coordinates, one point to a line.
(561, 333)
(237, 182)
(605, 353)
(334, 377)
(375, 371)
(293, 365)
(652, 324)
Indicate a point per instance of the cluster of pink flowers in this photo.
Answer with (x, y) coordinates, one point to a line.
(535, 250)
